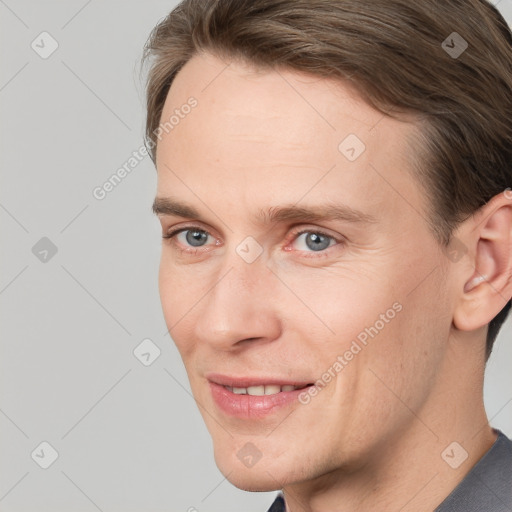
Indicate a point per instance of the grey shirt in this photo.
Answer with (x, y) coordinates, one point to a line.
(486, 488)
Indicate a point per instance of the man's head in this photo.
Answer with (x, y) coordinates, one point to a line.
(340, 167)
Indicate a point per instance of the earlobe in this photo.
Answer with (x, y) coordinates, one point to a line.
(488, 286)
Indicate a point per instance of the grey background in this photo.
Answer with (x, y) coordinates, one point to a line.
(129, 437)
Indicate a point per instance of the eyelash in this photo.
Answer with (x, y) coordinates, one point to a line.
(294, 234)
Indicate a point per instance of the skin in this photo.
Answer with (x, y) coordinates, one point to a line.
(373, 437)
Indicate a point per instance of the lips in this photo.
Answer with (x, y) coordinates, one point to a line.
(245, 382)
(253, 397)
(264, 389)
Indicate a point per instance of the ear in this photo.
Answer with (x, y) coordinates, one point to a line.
(487, 278)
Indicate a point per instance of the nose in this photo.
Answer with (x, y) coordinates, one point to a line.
(241, 306)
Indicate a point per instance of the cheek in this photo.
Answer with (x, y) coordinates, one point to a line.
(398, 367)
(180, 286)
(178, 294)
(379, 319)
(167, 287)
(342, 301)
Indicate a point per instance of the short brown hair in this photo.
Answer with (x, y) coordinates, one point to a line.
(392, 51)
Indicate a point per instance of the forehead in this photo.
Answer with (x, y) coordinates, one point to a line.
(276, 134)
(257, 100)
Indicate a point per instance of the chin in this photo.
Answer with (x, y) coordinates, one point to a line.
(263, 476)
(251, 481)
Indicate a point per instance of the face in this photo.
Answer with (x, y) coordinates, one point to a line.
(299, 278)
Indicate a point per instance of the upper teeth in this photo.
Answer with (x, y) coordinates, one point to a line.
(269, 389)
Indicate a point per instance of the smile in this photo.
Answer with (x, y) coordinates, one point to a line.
(248, 398)
(267, 389)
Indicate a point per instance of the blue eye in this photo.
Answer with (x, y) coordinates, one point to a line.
(306, 241)
(314, 241)
(195, 237)
(191, 237)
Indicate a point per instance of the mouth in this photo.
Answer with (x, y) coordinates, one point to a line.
(264, 389)
(254, 398)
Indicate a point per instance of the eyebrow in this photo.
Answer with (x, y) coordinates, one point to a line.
(165, 206)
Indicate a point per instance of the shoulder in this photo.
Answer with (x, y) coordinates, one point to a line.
(488, 486)
(278, 505)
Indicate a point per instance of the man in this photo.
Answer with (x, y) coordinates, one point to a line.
(333, 189)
